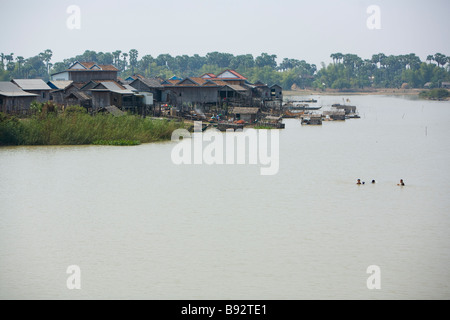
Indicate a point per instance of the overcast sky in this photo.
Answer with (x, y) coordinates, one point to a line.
(304, 30)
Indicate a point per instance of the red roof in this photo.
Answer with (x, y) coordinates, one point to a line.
(238, 76)
(89, 65)
(208, 75)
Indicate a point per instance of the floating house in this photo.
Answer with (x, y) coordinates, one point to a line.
(311, 119)
(348, 109)
(337, 115)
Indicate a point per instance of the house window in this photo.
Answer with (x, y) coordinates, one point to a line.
(43, 95)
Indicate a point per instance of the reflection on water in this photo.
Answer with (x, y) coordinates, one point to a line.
(141, 227)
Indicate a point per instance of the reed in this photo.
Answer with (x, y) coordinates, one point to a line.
(77, 128)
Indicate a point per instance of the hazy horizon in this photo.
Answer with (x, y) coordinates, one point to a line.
(302, 30)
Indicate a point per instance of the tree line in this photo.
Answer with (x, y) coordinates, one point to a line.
(347, 71)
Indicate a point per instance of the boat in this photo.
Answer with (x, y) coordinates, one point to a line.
(302, 107)
(348, 109)
(311, 119)
(353, 116)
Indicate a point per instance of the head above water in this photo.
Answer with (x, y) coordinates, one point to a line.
(373, 181)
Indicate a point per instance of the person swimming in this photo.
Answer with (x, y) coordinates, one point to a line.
(402, 183)
(358, 182)
(373, 181)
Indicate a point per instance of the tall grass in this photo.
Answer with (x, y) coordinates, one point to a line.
(76, 128)
(435, 94)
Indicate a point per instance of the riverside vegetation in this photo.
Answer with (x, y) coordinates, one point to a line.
(435, 94)
(74, 126)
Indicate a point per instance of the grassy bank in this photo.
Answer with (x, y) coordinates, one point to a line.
(435, 94)
(77, 128)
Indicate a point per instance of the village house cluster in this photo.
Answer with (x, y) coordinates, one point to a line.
(98, 88)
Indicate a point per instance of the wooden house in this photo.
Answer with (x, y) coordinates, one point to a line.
(152, 85)
(78, 98)
(63, 94)
(34, 86)
(249, 115)
(190, 91)
(85, 72)
(234, 93)
(261, 90)
(276, 92)
(111, 93)
(231, 77)
(13, 99)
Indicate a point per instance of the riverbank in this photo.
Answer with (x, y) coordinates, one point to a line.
(331, 92)
(84, 129)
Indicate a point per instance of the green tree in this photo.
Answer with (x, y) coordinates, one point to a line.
(134, 59)
(266, 60)
(440, 59)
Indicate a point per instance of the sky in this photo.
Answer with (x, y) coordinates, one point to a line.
(296, 29)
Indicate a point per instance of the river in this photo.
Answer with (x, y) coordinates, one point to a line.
(140, 227)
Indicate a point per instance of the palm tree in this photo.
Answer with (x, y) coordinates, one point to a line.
(9, 57)
(125, 56)
(334, 57)
(46, 56)
(440, 59)
(2, 57)
(116, 55)
(20, 60)
(430, 58)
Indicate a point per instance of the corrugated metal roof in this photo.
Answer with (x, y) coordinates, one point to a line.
(236, 88)
(241, 110)
(31, 84)
(128, 87)
(113, 86)
(60, 84)
(80, 95)
(9, 89)
(152, 83)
